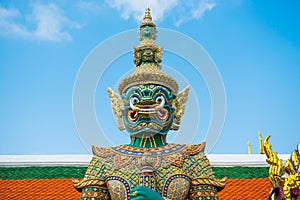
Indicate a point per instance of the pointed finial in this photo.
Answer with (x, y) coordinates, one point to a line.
(249, 148)
(261, 145)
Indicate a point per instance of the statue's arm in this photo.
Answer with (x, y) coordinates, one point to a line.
(93, 185)
(203, 183)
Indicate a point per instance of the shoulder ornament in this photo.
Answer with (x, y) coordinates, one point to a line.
(195, 149)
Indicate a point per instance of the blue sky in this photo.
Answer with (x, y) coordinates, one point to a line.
(255, 45)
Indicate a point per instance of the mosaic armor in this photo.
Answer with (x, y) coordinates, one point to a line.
(175, 171)
(147, 107)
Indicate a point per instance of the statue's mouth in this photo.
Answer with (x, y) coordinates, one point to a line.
(148, 55)
(147, 111)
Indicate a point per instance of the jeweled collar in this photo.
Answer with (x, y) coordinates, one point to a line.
(158, 151)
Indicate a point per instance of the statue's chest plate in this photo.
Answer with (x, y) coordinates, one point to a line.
(166, 170)
(160, 172)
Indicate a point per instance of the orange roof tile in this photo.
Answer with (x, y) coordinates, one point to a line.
(244, 189)
(46, 189)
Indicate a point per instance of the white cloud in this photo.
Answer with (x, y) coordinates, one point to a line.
(181, 11)
(8, 13)
(7, 26)
(49, 23)
(136, 8)
(90, 6)
(193, 10)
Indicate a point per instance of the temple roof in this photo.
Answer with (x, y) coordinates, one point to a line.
(56, 182)
(50, 177)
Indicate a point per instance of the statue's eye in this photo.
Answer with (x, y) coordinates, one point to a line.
(134, 100)
(160, 99)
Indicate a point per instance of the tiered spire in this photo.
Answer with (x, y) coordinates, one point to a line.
(147, 52)
(147, 60)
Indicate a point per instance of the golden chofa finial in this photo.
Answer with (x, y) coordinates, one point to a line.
(261, 145)
(249, 148)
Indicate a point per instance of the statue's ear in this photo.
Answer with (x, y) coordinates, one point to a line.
(179, 105)
(117, 107)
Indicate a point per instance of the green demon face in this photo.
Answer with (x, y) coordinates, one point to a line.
(147, 55)
(148, 109)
